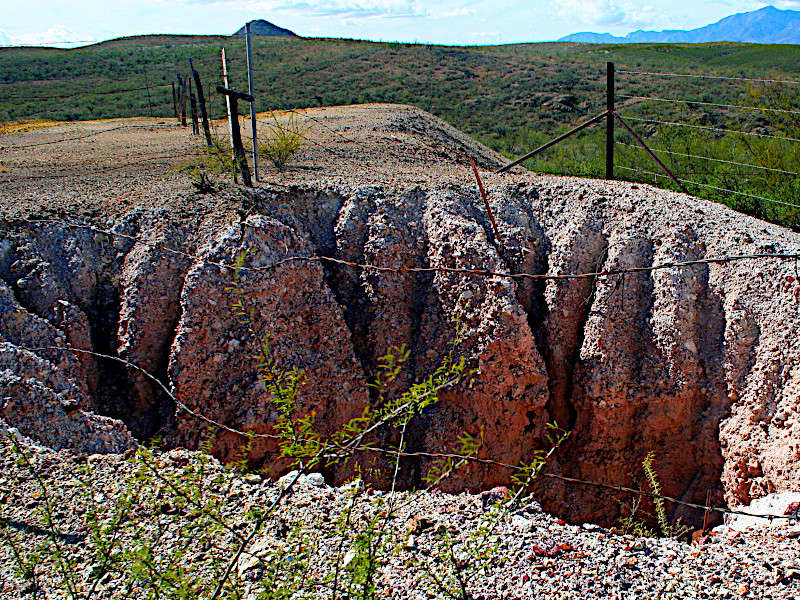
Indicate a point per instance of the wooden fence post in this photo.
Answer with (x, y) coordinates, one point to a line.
(182, 101)
(195, 126)
(202, 99)
(236, 134)
(610, 120)
(227, 98)
(174, 101)
(149, 99)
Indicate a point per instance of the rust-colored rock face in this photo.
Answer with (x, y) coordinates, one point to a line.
(213, 368)
(699, 363)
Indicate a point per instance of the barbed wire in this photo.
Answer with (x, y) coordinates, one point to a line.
(417, 270)
(405, 454)
(713, 187)
(735, 106)
(717, 129)
(719, 160)
(708, 76)
(322, 122)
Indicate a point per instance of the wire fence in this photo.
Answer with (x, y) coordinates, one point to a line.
(182, 406)
(640, 100)
(743, 152)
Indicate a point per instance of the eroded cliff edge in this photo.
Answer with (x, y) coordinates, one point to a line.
(698, 363)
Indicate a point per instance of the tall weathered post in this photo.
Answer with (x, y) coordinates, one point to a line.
(610, 120)
(238, 147)
(252, 100)
(193, 101)
(175, 102)
(227, 98)
(182, 100)
(201, 98)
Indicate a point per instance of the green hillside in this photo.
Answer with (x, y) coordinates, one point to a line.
(510, 97)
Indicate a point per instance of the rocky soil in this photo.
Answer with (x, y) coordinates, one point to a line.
(103, 249)
(537, 555)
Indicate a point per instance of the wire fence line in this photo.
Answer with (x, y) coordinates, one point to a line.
(88, 93)
(718, 180)
(720, 160)
(413, 454)
(794, 256)
(713, 187)
(704, 103)
(715, 129)
(87, 135)
(114, 167)
(699, 76)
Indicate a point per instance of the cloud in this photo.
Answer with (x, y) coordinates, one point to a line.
(56, 35)
(362, 9)
(594, 12)
(355, 8)
(613, 13)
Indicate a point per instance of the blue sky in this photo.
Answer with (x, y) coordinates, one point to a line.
(47, 22)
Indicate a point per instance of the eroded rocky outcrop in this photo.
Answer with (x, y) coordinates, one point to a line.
(698, 363)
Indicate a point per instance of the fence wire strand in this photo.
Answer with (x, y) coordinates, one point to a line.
(713, 187)
(415, 454)
(717, 104)
(716, 129)
(690, 75)
(432, 269)
(719, 160)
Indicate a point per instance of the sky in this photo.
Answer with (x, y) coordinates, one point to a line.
(76, 22)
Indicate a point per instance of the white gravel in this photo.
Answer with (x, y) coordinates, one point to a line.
(538, 555)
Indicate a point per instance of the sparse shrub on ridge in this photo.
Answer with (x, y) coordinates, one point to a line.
(282, 140)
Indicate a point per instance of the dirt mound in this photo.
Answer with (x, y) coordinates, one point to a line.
(697, 362)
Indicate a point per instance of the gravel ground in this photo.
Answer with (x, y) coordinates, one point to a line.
(537, 554)
(100, 168)
(105, 168)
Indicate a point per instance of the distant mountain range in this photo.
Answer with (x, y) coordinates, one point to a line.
(768, 25)
(262, 27)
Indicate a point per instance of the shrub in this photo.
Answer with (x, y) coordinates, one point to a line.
(282, 140)
(186, 501)
(208, 164)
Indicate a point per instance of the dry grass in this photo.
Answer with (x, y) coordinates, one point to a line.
(14, 127)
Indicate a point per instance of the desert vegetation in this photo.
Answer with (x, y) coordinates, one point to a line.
(512, 98)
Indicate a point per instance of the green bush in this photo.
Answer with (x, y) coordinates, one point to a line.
(282, 140)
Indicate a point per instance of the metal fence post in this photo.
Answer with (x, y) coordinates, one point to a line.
(252, 102)
(610, 120)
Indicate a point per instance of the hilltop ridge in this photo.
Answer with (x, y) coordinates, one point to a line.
(263, 27)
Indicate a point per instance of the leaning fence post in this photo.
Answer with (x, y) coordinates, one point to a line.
(236, 134)
(195, 126)
(202, 99)
(227, 98)
(610, 120)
